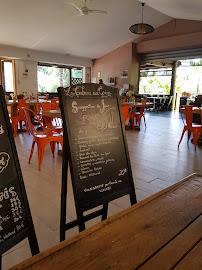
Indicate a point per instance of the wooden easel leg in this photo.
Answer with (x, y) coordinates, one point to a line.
(133, 198)
(33, 243)
(105, 210)
(81, 223)
(63, 194)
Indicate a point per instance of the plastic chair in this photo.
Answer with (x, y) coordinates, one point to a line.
(42, 138)
(191, 127)
(127, 113)
(140, 114)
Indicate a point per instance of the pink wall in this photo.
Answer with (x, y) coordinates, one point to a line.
(175, 27)
(112, 65)
(176, 34)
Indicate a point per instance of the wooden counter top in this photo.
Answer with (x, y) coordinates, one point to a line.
(161, 232)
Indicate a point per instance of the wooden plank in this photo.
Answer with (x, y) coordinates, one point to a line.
(129, 238)
(172, 253)
(52, 113)
(193, 260)
(138, 104)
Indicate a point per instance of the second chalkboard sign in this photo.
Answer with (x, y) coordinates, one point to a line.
(95, 147)
(15, 217)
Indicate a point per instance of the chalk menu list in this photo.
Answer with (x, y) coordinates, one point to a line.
(12, 211)
(98, 154)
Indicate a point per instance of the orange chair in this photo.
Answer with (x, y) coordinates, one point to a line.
(14, 117)
(46, 106)
(139, 115)
(196, 129)
(127, 113)
(54, 104)
(42, 138)
(22, 104)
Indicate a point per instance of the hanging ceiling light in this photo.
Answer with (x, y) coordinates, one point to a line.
(141, 28)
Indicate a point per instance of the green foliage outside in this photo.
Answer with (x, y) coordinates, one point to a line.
(49, 78)
(155, 85)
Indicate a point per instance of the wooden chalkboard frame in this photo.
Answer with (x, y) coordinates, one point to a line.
(67, 160)
(29, 230)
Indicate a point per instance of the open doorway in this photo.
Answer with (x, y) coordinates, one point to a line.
(188, 82)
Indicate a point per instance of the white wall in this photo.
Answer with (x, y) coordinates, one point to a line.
(26, 83)
(28, 59)
(46, 57)
(86, 75)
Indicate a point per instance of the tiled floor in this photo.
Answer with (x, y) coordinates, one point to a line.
(156, 164)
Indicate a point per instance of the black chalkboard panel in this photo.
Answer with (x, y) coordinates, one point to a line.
(15, 217)
(96, 145)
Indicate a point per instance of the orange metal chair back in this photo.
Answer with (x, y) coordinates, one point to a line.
(46, 106)
(54, 104)
(22, 103)
(14, 118)
(126, 112)
(139, 115)
(196, 129)
(30, 126)
(41, 138)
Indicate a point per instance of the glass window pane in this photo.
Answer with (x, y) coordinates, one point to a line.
(8, 76)
(50, 78)
(155, 81)
(77, 75)
(189, 78)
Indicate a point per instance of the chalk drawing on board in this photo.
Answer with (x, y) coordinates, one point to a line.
(4, 159)
(1, 130)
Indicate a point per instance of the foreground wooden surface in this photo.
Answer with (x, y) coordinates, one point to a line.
(161, 232)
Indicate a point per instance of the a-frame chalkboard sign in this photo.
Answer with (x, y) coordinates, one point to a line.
(94, 146)
(15, 217)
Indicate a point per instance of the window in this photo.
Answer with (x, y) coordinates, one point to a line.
(155, 81)
(76, 76)
(189, 78)
(52, 77)
(8, 75)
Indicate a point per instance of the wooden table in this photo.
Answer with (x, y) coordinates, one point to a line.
(30, 103)
(135, 105)
(162, 232)
(52, 113)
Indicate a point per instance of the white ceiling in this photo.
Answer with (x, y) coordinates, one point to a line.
(53, 25)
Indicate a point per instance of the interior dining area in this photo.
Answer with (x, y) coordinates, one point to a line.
(100, 134)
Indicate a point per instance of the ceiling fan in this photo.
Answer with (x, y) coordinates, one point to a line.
(85, 10)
